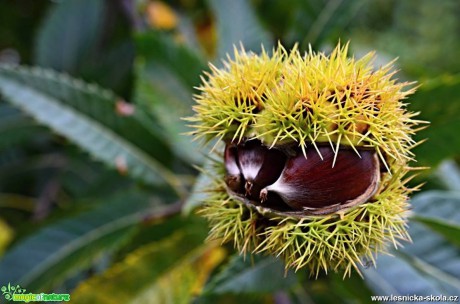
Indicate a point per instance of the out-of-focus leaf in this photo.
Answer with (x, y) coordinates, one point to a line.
(166, 74)
(440, 211)
(237, 22)
(6, 234)
(434, 257)
(394, 276)
(88, 116)
(183, 62)
(431, 264)
(450, 231)
(64, 40)
(448, 173)
(240, 275)
(99, 49)
(57, 251)
(439, 103)
(169, 271)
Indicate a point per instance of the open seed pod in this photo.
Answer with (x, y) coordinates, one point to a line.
(316, 153)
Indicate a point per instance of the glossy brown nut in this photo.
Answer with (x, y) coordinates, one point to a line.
(259, 166)
(233, 176)
(313, 183)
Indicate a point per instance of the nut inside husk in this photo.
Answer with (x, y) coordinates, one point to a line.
(292, 183)
(317, 150)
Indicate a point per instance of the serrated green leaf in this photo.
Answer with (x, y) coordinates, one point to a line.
(237, 22)
(58, 250)
(439, 103)
(169, 271)
(241, 275)
(86, 115)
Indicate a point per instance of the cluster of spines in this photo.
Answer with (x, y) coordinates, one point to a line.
(232, 96)
(307, 99)
(318, 243)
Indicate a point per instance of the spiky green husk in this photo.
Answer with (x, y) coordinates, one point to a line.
(333, 242)
(231, 97)
(288, 99)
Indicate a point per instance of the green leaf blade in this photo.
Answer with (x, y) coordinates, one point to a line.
(72, 113)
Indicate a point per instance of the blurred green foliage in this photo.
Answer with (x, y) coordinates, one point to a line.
(97, 190)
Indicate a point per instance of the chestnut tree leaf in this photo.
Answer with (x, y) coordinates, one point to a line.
(87, 115)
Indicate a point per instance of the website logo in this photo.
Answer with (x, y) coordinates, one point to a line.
(18, 294)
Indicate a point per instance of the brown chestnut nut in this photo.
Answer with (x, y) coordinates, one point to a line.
(233, 177)
(309, 182)
(259, 166)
